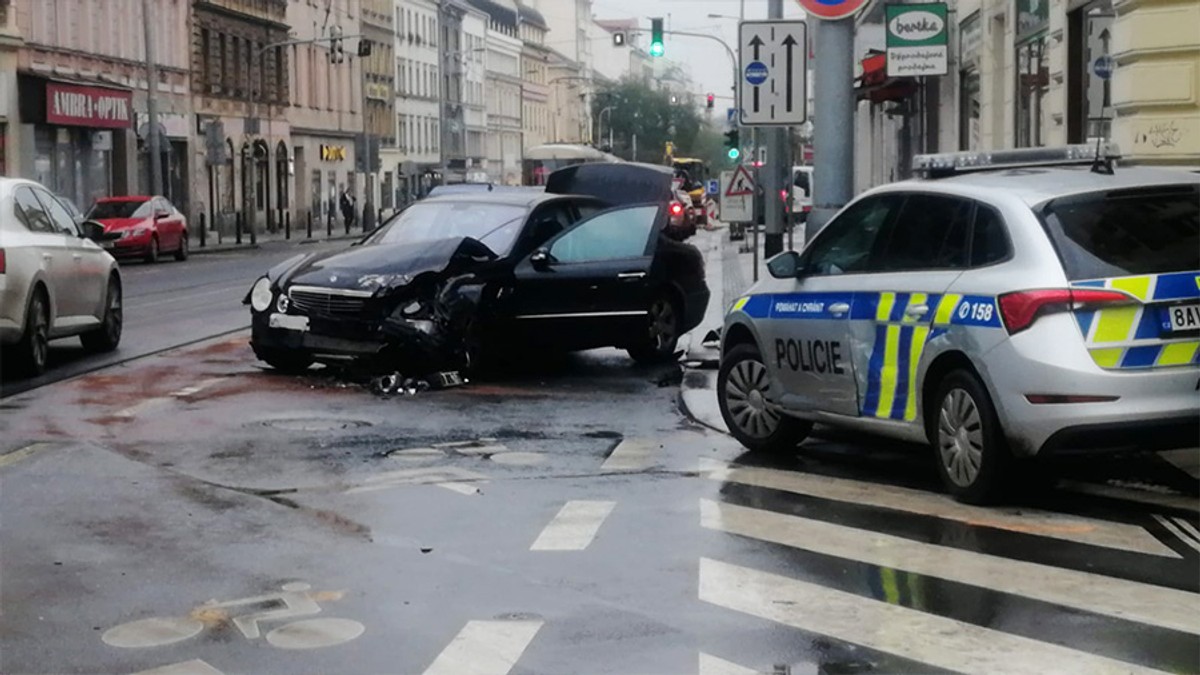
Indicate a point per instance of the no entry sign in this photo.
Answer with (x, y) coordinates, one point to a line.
(831, 10)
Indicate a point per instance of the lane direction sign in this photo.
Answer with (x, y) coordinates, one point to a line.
(773, 89)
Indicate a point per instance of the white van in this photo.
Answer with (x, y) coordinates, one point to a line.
(802, 194)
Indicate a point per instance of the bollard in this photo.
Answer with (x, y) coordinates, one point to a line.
(287, 224)
(203, 230)
(310, 223)
(237, 225)
(346, 222)
(329, 224)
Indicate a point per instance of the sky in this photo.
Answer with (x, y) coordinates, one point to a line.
(706, 61)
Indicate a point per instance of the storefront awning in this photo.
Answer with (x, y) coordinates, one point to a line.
(875, 86)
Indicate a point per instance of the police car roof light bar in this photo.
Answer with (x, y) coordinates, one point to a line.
(942, 165)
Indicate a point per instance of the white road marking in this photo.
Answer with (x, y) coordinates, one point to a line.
(485, 648)
(153, 632)
(519, 458)
(1121, 536)
(1187, 460)
(1120, 598)
(712, 665)
(193, 667)
(575, 526)
(631, 454)
(1169, 501)
(1175, 525)
(460, 488)
(1188, 528)
(908, 633)
(419, 476)
(315, 633)
(21, 453)
(158, 401)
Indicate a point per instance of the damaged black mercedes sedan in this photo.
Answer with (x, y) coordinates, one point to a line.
(452, 281)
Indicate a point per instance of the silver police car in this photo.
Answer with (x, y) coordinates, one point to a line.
(1010, 305)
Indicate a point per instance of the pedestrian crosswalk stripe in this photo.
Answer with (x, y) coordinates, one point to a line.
(631, 454)
(712, 665)
(485, 648)
(908, 633)
(1120, 536)
(1181, 529)
(575, 526)
(1120, 598)
(1169, 501)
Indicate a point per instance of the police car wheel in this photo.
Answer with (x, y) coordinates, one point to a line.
(972, 456)
(743, 391)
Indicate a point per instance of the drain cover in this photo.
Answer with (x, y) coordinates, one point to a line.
(316, 424)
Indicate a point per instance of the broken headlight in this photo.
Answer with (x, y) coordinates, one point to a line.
(412, 309)
(261, 295)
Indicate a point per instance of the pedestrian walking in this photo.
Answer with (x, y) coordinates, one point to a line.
(347, 203)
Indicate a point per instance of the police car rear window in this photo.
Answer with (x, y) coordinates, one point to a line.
(1149, 230)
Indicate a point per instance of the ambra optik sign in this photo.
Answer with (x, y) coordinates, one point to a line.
(917, 40)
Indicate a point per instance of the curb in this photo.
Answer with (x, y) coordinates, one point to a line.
(226, 248)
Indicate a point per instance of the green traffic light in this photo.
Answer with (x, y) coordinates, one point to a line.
(734, 153)
(656, 49)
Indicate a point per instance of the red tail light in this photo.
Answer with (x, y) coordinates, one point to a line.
(3, 262)
(1019, 310)
(676, 208)
(783, 195)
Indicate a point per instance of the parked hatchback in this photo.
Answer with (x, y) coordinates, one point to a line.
(55, 281)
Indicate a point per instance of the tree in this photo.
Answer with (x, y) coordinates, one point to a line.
(640, 109)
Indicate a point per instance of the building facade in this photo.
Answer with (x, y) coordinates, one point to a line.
(502, 91)
(535, 77)
(379, 102)
(571, 78)
(415, 158)
(1031, 73)
(240, 94)
(326, 112)
(452, 113)
(74, 114)
(472, 62)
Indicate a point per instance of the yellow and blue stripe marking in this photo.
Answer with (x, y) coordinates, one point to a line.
(1132, 336)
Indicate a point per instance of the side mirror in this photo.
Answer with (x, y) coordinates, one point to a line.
(786, 265)
(159, 215)
(90, 229)
(541, 259)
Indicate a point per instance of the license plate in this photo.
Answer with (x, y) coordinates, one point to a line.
(1182, 318)
(288, 322)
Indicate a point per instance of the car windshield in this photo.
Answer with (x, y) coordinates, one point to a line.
(119, 209)
(1125, 232)
(496, 225)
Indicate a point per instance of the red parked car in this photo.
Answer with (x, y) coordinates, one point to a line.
(148, 226)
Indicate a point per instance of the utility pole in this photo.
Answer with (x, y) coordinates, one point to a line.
(152, 140)
(833, 144)
(775, 172)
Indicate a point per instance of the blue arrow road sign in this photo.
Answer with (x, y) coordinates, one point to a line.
(1103, 67)
(713, 187)
(756, 73)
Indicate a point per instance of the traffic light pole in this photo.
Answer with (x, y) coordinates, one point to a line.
(774, 172)
(733, 62)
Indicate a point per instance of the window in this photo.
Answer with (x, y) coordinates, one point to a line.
(496, 225)
(929, 234)
(30, 212)
(59, 216)
(616, 234)
(989, 241)
(1151, 230)
(845, 245)
(1033, 82)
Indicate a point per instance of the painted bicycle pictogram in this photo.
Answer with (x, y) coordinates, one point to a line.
(294, 601)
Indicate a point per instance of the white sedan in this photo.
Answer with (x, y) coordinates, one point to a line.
(55, 281)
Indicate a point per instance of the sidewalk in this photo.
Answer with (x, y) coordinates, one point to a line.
(729, 274)
(228, 242)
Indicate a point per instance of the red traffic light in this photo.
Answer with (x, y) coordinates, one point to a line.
(711, 99)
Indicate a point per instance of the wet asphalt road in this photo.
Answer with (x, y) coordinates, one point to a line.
(169, 304)
(192, 512)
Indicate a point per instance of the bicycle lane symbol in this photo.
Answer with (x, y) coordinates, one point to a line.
(296, 599)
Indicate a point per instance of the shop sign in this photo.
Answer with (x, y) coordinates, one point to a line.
(970, 40)
(1033, 17)
(333, 153)
(81, 106)
(918, 40)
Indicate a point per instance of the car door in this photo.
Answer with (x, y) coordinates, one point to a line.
(806, 330)
(49, 248)
(588, 286)
(89, 264)
(167, 223)
(921, 252)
